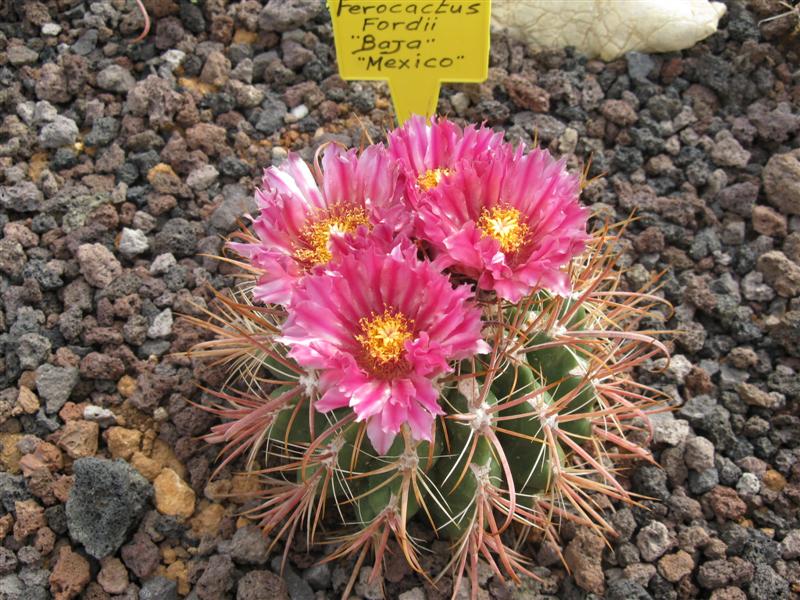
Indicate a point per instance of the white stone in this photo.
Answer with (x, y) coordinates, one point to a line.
(790, 546)
(278, 155)
(173, 58)
(26, 111)
(416, 593)
(162, 325)
(100, 415)
(460, 102)
(299, 112)
(202, 177)
(669, 430)
(115, 78)
(162, 263)
(61, 131)
(51, 29)
(609, 28)
(132, 242)
(678, 367)
(748, 485)
(653, 541)
(699, 454)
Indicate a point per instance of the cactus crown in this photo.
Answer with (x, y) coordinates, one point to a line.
(531, 431)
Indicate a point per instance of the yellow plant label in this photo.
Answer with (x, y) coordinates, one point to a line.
(414, 44)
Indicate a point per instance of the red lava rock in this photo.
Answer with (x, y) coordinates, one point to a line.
(726, 504)
(161, 8)
(619, 112)
(527, 95)
(40, 482)
(70, 574)
(209, 138)
(584, 556)
(698, 381)
(101, 366)
(6, 525)
(673, 567)
(45, 540)
(113, 576)
(222, 29)
(721, 572)
(671, 69)
(79, 438)
(51, 85)
(30, 517)
(217, 578)
(160, 204)
(728, 593)
(261, 585)
(94, 591)
(782, 182)
(141, 556)
(769, 222)
(98, 265)
(780, 272)
(169, 32)
(71, 411)
(62, 486)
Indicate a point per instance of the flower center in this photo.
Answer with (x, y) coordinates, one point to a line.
(505, 225)
(384, 336)
(314, 247)
(431, 178)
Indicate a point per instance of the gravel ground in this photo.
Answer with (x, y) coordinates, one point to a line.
(122, 163)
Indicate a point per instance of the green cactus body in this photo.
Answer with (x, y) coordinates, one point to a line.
(553, 363)
(377, 493)
(291, 426)
(527, 452)
(276, 367)
(459, 496)
(585, 401)
(291, 434)
(562, 367)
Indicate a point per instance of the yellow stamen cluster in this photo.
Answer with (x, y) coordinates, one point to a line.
(314, 246)
(431, 178)
(505, 225)
(384, 336)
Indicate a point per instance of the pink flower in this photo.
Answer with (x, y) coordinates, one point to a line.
(302, 216)
(429, 152)
(511, 223)
(379, 328)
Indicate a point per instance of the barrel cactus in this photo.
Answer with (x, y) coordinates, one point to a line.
(426, 331)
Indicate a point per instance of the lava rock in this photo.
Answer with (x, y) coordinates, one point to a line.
(61, 132)
(159, 588)
(236, 201)
(98, 265)
(285, 15)
(21, 197)
(177, 237)
(115, 78)
(105, 504)
(55, 384)
(261, 585)
(104, 131)
(132, 242)
(271, 117)
(781, 178)
(217, 578)
(249, 546)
